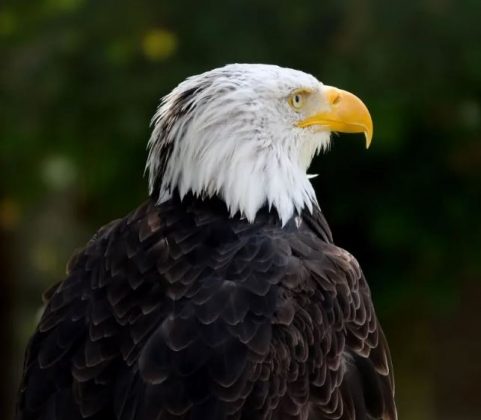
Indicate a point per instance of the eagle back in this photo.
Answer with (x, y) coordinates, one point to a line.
(179, 312)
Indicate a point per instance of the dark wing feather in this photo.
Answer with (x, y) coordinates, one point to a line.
(73, 344)
(361, 384)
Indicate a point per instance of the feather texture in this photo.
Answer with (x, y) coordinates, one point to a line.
(179, 312)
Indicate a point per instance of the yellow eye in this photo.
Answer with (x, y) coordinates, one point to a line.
(297, 99)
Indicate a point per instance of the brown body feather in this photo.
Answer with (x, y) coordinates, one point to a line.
(179, 312)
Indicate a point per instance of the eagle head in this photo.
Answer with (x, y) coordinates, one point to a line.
(247, 134)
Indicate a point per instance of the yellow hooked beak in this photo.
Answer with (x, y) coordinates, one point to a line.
(346, 114)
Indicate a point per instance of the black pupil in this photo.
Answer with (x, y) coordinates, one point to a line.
(297, 99)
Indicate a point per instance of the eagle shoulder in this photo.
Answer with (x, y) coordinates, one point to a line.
(358, 380)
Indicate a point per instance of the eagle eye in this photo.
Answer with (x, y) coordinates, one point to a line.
(297, 99)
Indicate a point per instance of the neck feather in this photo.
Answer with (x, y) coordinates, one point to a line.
(244, 185)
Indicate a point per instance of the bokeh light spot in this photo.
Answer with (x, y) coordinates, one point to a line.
(159, 44)
(58, 172)
(9, 213)
(8, 23)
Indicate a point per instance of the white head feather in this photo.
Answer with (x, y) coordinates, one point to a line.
(232, 133)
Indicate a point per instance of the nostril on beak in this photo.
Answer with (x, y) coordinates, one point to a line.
(335, 99)
(334, 96)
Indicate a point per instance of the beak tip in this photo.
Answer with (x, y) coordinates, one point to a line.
(368, 137)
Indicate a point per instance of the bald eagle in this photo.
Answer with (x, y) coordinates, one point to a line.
(223, 296)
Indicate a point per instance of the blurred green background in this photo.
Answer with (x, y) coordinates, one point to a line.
(79, 81)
